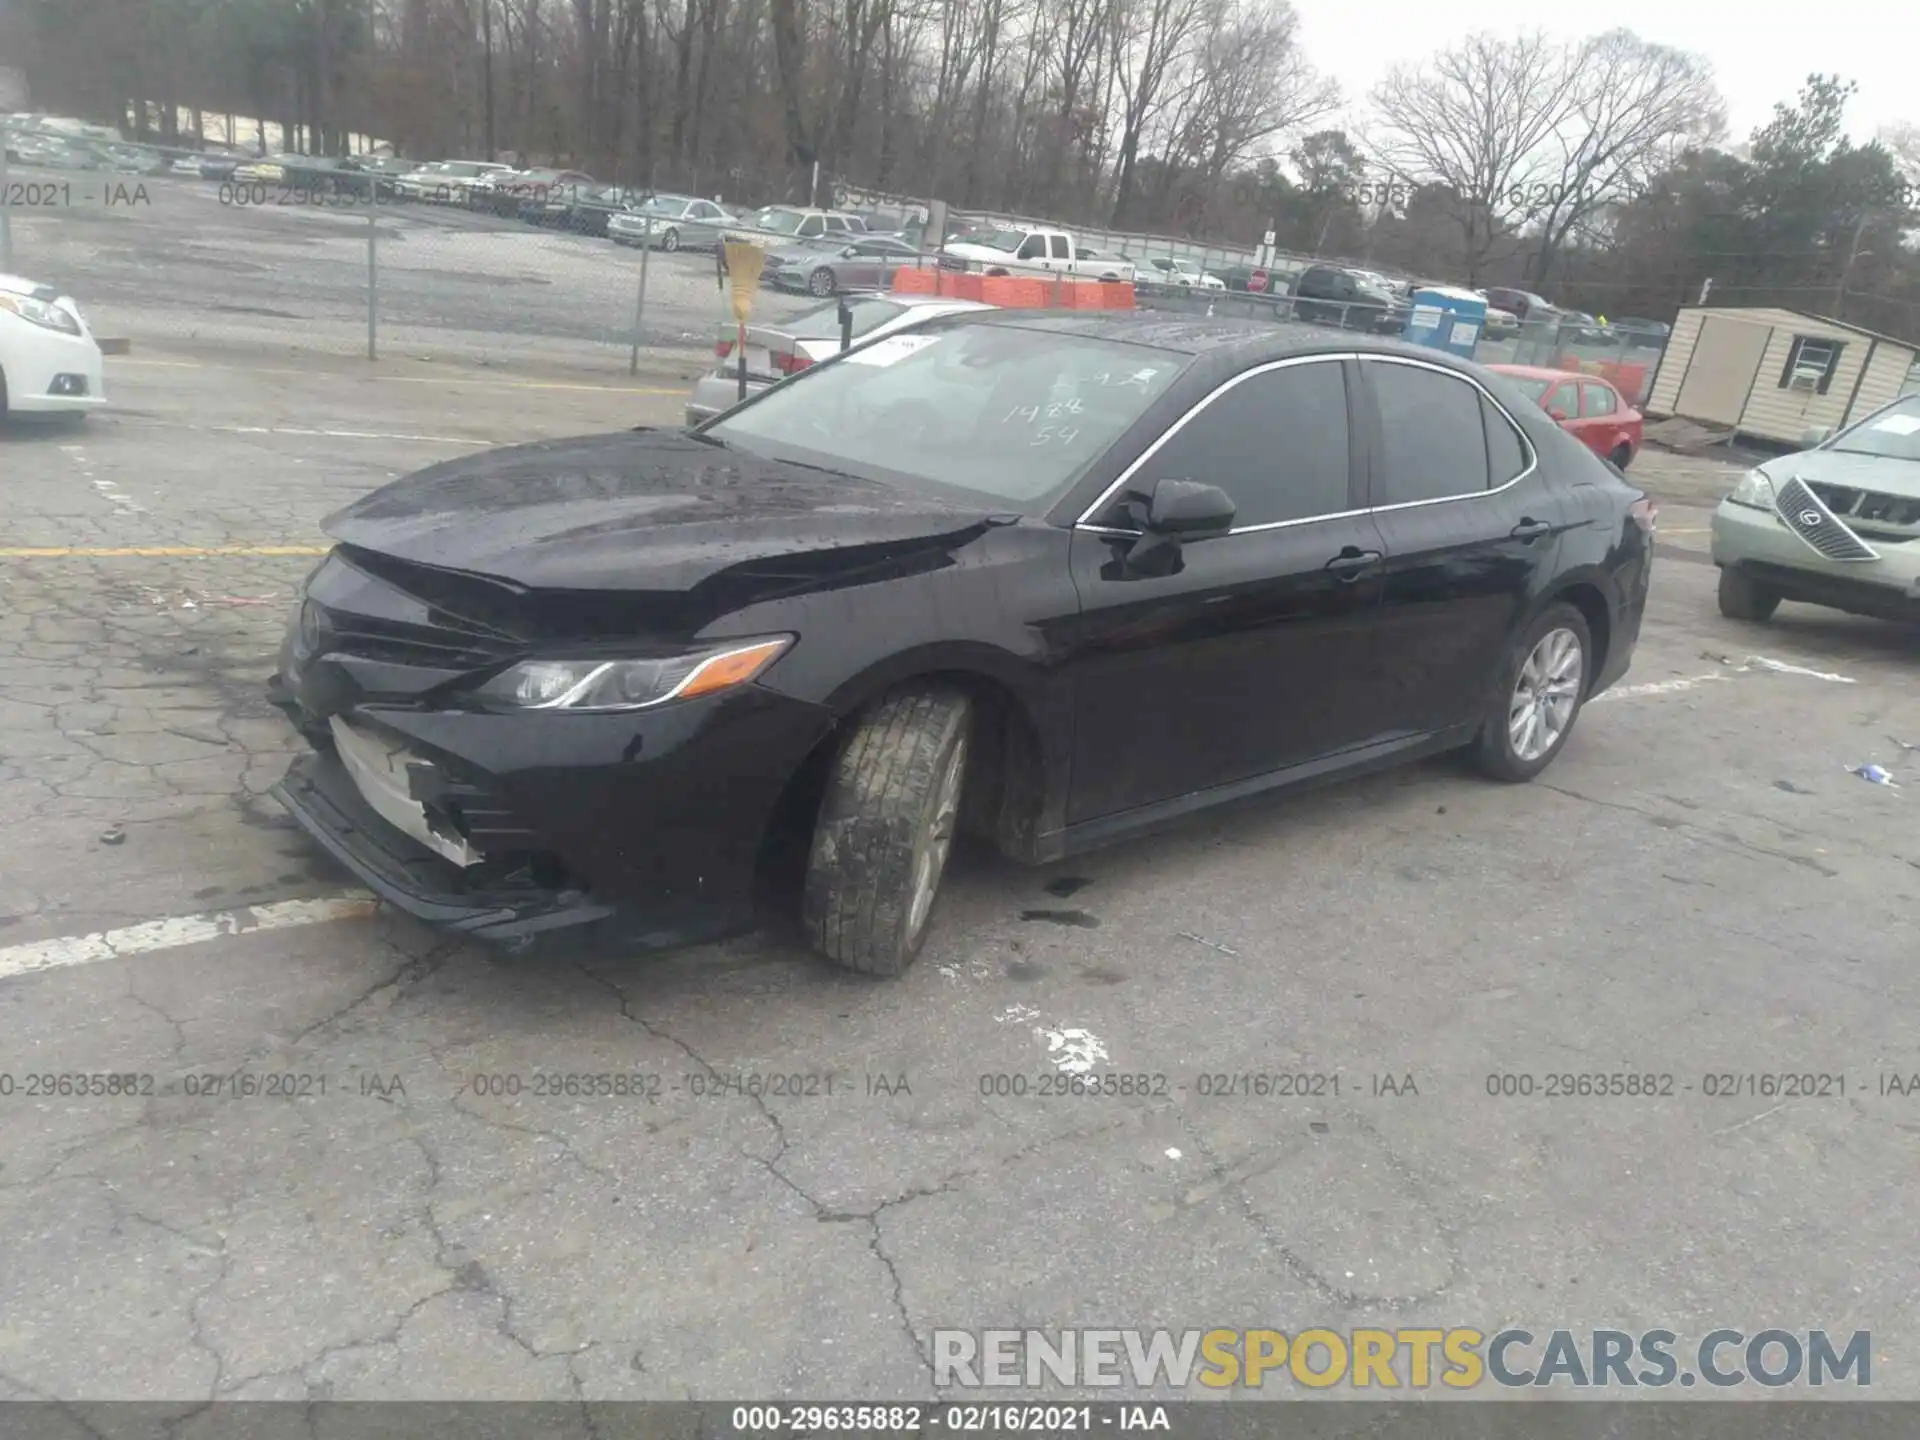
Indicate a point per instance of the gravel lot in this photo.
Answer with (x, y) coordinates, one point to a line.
(177, 260)
(1697, 887)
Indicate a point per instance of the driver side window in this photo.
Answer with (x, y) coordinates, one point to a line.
(1276, 441)
(1033, 248)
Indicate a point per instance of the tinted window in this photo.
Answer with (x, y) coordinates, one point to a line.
(1060, 247)
(1596, 399)
(1034, 248)
(1506, 452)
(1433, 440)
(1276, 443)
(977, 410)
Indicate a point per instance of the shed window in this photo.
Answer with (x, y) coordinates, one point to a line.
(1811, 362)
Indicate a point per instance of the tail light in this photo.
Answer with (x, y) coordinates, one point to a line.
(723, 348)
(791, 364)
(1644, 513)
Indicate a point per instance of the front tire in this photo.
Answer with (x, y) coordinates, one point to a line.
(885, 829)
(820, 282)
(1744, 598)
(670, 241)
(1542, 683)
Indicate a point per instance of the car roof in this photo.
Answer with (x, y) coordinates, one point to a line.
(1253, 341)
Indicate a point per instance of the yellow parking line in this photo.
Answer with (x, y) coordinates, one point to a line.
(116, 552)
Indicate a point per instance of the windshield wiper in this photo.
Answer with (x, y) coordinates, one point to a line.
(712, 440)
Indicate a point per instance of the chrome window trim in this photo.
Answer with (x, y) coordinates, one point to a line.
(1526, 445)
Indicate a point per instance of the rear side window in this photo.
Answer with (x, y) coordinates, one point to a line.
(1506, 451)
(1433, 435)
(823, 321)
(1277, 443)
(1059, 245)
(1596, 399)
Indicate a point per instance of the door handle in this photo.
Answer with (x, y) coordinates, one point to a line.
(1351, 563)
(1530, 529)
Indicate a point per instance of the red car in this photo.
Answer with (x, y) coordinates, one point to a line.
(1586, 407)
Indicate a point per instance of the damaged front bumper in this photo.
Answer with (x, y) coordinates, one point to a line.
(320, 794)
(506, 826)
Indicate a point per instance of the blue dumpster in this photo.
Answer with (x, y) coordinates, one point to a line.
(1446, 319)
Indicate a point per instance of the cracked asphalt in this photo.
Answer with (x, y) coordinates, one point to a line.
(390, 1202)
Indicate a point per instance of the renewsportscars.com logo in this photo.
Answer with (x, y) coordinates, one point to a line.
(1395, 1359)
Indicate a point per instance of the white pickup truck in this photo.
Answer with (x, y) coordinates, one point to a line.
(1031, 251)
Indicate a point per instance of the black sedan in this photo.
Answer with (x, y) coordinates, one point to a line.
(1053, 579)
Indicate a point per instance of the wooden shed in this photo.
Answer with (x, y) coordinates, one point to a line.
(1770, 374)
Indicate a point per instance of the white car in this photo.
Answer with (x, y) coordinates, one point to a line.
(786, 347)
(49, 364)
(1182, 272)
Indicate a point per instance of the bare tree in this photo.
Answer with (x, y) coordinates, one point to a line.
(1635, 108)
(1150, 44)
(1478, 121)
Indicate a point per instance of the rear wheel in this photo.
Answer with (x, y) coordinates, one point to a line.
(1621, 456)
(885, 828)
(1542, 683)
(1744, 598)
(820, 282)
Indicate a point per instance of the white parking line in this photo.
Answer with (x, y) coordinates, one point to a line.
(343, 434)
(1657, 687)
(178, 930)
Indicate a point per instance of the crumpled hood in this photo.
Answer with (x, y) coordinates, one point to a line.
(1856, 472)
(635, 510)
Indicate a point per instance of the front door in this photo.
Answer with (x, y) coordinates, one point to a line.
(1255, 654)
(1471, 529)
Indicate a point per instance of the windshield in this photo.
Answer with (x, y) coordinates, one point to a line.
(1007, 240)
(1531, 386)
(994, 413)
(1893, 434)
(664, 205)
(781, 222)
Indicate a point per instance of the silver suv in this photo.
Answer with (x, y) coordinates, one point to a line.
(1837, 524)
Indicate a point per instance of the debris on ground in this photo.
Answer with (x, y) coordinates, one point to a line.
(1877, 774)
(113, 836)
(1210, 944)
(1790, 787)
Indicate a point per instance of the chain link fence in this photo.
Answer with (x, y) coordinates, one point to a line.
(182, 255)
(174, 249)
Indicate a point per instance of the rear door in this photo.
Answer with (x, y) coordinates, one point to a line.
(1471, 531)
(1255, 654)
(1602, 417)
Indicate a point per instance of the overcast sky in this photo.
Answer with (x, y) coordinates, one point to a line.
(1760, 54)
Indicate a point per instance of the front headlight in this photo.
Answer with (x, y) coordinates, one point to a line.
(1755, 490)
(53, 317)
(603, 685)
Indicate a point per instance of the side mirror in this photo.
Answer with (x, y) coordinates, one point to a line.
(1815, 435)
(1187, 510)
(1557, 415)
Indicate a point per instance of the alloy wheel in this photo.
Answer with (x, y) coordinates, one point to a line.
(1545, 694)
